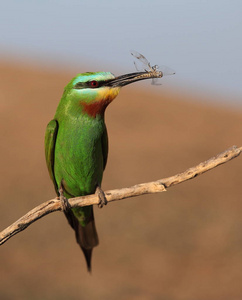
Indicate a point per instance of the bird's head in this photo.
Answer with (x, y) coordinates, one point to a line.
(92, 92)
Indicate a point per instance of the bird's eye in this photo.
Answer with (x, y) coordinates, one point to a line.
(93, 84)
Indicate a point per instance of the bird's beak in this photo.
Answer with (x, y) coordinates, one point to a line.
(132, 77)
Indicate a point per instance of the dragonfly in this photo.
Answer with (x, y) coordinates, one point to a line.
(142, 64)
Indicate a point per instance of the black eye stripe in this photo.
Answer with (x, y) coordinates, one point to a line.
(79, 85)
(88, 84)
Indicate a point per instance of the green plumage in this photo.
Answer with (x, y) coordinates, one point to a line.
(76, 145)
(76, 149)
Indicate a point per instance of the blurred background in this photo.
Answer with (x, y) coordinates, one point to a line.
(182, 244)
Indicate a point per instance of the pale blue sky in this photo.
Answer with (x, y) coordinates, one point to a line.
(200, 40)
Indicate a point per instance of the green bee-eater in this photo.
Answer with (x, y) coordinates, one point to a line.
(76, 145)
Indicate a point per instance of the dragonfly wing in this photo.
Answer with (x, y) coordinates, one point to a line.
(140, 57)
(156, 81)
(141, 63)
(136, 66)
(166, 70)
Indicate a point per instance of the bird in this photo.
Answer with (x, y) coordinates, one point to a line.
(76, 147)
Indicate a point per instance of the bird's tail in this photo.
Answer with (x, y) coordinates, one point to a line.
(86, 236)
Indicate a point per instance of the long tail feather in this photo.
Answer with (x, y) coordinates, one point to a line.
(86, 237)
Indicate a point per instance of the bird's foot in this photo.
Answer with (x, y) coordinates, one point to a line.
(101, 196)
(64, 201)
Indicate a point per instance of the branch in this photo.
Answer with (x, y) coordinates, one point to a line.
(119, 194)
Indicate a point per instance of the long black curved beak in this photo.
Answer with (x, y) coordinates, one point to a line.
(132, 77)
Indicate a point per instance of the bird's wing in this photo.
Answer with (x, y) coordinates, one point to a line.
(50, 140)
(105, 147)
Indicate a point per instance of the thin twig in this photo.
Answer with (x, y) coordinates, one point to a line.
(118, 194)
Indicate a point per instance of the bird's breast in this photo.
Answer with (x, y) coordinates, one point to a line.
(78, 156)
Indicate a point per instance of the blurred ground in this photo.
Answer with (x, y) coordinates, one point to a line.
(184, 244)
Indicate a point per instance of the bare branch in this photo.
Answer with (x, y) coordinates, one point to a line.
(118, 194)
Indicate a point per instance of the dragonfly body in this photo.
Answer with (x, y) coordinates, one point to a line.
(142, 64)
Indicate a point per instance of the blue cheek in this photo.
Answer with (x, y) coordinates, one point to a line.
(87, 95)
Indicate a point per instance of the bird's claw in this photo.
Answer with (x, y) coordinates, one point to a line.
(65, 206)
(101, 196)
